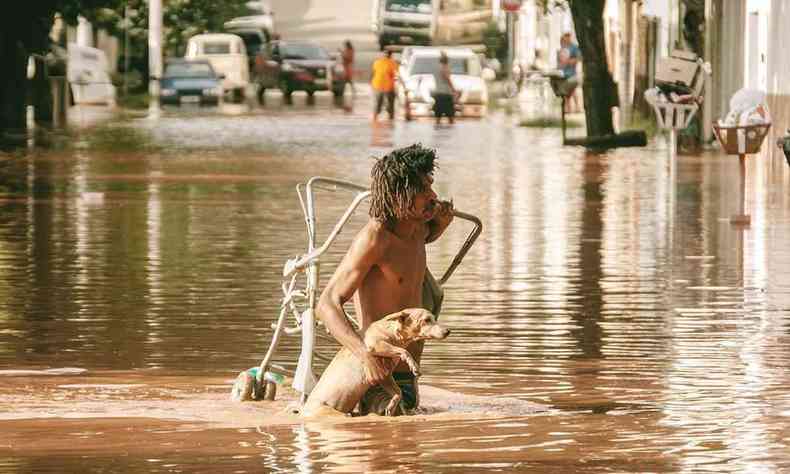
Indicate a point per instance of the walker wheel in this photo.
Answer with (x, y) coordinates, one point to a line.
(243, 387)
(270, 391)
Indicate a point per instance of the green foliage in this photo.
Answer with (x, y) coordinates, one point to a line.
(181, 19)
(495, 42)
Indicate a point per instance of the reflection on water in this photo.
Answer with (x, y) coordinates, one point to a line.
(609, 286)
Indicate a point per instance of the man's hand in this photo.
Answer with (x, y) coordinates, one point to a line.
(375, 372)
(444, 213)
(441, 219)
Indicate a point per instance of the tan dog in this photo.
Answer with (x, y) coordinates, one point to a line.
(343, 383)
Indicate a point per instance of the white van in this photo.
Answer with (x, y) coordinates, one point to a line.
(228, 57)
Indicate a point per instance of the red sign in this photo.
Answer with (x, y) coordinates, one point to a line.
(511, 5)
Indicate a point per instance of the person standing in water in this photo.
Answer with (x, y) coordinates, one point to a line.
(383, 82)
(444, 92)
(347, 56)
(385, 267)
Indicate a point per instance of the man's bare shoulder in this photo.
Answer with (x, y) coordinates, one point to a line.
(374, 237)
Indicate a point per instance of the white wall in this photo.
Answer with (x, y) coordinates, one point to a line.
(778, 61)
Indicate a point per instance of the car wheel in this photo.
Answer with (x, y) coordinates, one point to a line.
(286, 90)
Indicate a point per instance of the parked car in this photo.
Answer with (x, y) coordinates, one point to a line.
(417, 80)
(297, 66)
(228, 57)
(190, 81)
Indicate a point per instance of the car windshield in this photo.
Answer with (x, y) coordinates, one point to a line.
(464, 65)
(216, 48)
(409, 6)
(189, 70)
(302, 51)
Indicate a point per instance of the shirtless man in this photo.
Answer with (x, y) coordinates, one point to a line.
(385, 266)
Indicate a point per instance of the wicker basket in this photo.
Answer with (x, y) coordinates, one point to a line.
(742, 140)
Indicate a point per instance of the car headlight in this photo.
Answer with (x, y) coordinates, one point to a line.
(168, 92)
(212, 91)
(287, 67)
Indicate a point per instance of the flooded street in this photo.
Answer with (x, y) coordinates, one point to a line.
(610, 318)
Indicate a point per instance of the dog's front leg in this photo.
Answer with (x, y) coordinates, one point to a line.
(385, 349)
(392, 389)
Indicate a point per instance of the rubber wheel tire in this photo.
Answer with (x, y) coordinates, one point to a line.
(286, 92)
(261, 95)
(242, 388)
(270, 391)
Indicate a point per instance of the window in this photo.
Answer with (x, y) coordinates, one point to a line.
(302, 51)
(189, 70)
(409, 6)
(462, 65)
(216, 48)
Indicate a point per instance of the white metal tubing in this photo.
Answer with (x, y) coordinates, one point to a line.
(317, 252)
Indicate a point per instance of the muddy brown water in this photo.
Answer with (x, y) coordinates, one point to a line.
(609, 319)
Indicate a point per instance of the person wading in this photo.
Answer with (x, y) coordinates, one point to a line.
(383, 82)
(444, 92)
(347, 55)
(385, 267)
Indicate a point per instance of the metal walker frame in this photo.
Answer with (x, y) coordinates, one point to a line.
(261, 382)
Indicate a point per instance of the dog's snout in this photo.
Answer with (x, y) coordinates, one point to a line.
(445, 333)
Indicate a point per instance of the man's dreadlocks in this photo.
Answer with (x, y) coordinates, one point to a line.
(396, 179)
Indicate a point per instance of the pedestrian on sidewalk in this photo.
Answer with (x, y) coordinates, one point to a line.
(567, 58)
(383, 82)
(444, 93)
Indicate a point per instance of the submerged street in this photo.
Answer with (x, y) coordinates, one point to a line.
(609, 318)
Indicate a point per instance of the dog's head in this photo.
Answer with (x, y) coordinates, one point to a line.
(417, 323)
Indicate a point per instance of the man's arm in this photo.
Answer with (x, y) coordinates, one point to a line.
(365, 251)
(440, 222)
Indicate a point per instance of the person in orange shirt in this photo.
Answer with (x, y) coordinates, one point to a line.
(383, 82)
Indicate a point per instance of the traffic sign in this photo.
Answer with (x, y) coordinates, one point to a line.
(511, 5)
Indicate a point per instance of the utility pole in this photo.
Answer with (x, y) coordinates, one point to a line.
(154, 52)
(126, 50)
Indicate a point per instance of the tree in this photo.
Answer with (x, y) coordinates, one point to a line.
(599, 89)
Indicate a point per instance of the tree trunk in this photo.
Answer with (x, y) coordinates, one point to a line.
(41, 94)
(13, 89)
(600, 92)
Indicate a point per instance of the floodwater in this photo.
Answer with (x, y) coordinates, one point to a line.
(610, 318)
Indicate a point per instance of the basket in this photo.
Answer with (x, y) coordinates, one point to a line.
(743, 139)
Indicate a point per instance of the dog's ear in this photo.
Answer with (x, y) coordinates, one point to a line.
(400, 316)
